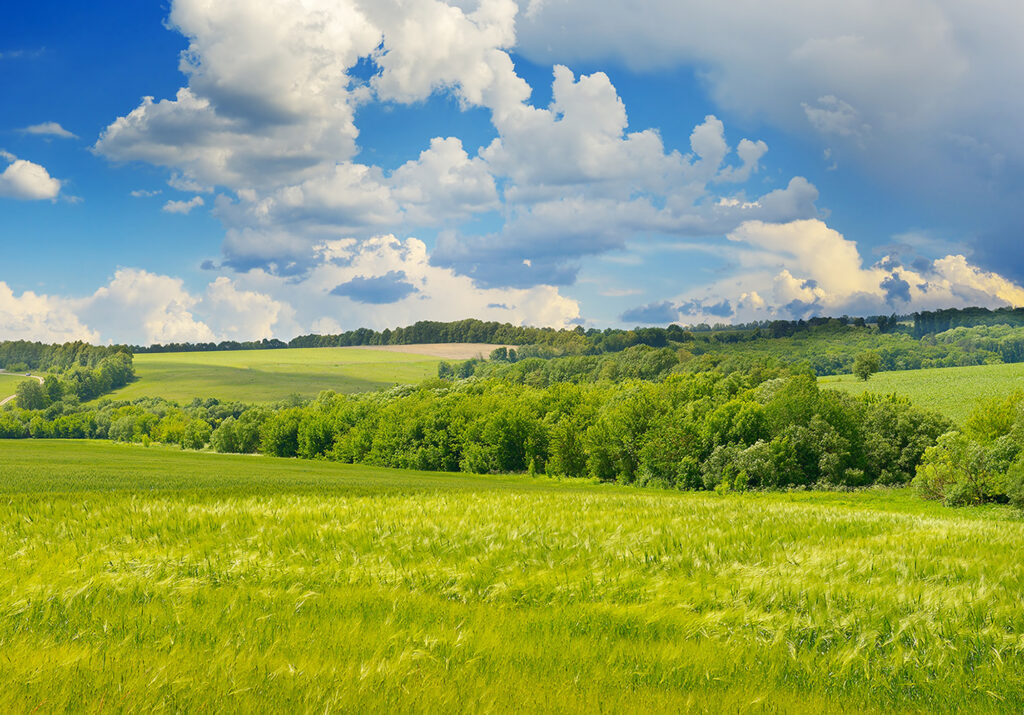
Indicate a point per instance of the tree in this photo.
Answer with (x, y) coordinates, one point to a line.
(32, 396)
(197, 434)
(866, 364)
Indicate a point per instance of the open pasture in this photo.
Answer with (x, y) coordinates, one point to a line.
(9, 382)
(142, 579)
(271, 375)
(953, 391)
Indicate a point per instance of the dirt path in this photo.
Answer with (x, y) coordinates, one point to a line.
(445, 351)
(8, 399)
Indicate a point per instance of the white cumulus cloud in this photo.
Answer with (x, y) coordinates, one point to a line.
(31, 316)
(26, 180)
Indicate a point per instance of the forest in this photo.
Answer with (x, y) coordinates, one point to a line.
(706, 410)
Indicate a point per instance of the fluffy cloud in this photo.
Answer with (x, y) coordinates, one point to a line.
(27, 181)
(183, 207)
(234, 313)
(930, 77)
(380, 282)
(39, 317)
(49, 129)
(392, 282)
(270, 98)
(272, 123)
(804, 268)
(139, 306)
(444, 183)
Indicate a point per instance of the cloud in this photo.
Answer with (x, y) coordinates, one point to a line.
(144, 193)
(388, 288)
(387, 282)
(27, 181)
(927, 76)
(383, 262)
(273, 125)
(834, 116)
(49, 129)
(39, 317)
(140, 306)
(183, 207)
(896, 289)
(234, 313)
(652, 314)
(270, 99)
(804, 268)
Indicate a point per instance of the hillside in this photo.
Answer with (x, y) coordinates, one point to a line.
(270, 375)
(953, 391)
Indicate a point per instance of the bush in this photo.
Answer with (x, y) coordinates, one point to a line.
(958, 471)
(1015, 484)
(196, 435)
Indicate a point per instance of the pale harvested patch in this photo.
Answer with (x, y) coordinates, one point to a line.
(446, 351)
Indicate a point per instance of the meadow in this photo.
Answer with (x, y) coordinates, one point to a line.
(953, 391)
(272, 375)
(150, 578)
(9, 383)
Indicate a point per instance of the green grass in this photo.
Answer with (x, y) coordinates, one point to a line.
(144, 579)
(953, 391)
(9, 383)
(271, 375)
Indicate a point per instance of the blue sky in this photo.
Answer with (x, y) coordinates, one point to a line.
(194, 171)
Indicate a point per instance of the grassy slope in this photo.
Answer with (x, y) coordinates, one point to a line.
(270, 375)
(954, 391)
(142, 579)
(9, 383)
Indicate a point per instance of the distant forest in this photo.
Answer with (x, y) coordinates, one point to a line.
(924, 339)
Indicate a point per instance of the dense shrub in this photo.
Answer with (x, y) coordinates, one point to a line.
(982, 463)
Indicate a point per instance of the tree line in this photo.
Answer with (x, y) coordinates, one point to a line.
(25, 356)
(77, 384)
(760, 429)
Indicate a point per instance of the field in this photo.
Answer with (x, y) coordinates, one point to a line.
(954, 391)
(271, 375)
(142, 579)
(9, 383)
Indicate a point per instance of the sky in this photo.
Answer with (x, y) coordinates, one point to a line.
(192, 170)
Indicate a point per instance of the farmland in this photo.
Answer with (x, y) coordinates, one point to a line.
(153, 578)
(953, 391)
(270, 375)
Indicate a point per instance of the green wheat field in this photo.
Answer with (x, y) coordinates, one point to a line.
(150, 579)
(953, 391)
(271, 375)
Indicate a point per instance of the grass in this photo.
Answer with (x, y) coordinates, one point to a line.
(954, 391)
(9, 383)
(142, 579)
(271, 375)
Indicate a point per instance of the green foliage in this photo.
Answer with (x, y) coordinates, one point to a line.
(197, 434)
(23, 356)
(866, 364)
(982, 463)
(687, 431)
(31, 396)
